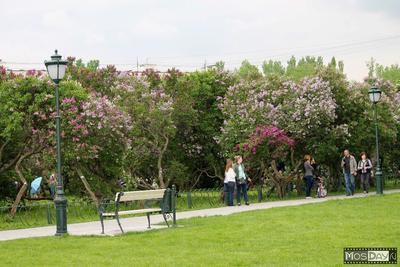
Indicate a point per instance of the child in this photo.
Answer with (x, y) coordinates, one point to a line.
(321, 191)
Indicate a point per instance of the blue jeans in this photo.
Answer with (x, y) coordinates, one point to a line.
(226, 193)
(242, 188)
(309, 183)
(350, 186)
(231, 189)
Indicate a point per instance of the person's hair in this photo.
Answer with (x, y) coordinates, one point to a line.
(363, 153)
(307, 157)
(237, 157)
(229, 164)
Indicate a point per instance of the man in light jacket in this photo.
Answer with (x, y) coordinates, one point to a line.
(349, 165)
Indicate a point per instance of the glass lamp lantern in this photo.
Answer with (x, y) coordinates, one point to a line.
(56, 67)
(374, 94)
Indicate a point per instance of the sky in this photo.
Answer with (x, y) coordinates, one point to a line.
(189, 34)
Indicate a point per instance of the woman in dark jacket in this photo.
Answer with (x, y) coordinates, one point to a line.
(364, 167)
(308, 174)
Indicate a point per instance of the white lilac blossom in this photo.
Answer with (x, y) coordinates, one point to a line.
(297, 108)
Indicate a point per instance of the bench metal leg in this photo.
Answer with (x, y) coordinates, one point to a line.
(148, 220)
(102, 224)
(117, 217)
(165, 218)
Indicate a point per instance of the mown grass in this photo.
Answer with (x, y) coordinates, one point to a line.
(309, 235)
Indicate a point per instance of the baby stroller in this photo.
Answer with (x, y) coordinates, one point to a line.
(321, 190)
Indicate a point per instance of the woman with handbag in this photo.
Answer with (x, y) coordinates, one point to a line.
(241, 180)
(365, 167)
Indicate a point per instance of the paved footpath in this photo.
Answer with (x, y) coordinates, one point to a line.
(138, 224)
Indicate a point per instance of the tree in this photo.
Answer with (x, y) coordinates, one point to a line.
(25, 123)
(389, 73)
(263, 148)
(248, 71)
(151, 110)
(91, 77)
(306, 66)
(273, 68)
(198, 121)
(95, 138)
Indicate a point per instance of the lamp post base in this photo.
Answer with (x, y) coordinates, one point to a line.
(61, 214)
(378, 181)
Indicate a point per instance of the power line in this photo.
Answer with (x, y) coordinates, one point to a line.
(324, 48)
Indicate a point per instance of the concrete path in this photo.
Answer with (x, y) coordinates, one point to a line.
(138, 224)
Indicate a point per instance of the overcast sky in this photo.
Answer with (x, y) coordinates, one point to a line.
(188, 33)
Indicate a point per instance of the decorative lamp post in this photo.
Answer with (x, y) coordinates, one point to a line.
(56, 69)
(375, 95)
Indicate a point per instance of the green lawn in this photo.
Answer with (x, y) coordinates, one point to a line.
(310, 235)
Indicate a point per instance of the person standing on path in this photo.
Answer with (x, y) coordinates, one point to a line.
(308, 174)
(241, 180)
(364, 167)
(52, 185)
(349, 165)
(230, 180)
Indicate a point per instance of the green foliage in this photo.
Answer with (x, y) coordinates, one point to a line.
(273, 68)
(153, 129)
(91, 77)
(389, 73)
(296, 70)
(248, 71)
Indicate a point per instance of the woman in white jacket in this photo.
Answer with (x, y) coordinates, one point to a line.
(230, 180)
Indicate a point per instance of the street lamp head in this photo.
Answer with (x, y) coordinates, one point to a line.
(56, 67)
(374, 94)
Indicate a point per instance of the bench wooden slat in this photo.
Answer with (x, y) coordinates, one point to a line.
(126, 212)
(141, 195)
(166, 197)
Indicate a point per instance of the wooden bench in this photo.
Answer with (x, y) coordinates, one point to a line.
(166, 198)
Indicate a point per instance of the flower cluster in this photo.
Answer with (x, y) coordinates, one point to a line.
(93, 123)
(266, 142)
(306, 107)
(157, 99)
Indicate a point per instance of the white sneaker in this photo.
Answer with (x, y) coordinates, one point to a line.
(308, 197)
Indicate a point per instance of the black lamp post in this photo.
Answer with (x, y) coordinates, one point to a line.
(375, 95)
(56, 70)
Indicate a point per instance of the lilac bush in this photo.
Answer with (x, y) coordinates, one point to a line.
(300, 109)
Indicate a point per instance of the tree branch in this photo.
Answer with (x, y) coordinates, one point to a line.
(2, 149)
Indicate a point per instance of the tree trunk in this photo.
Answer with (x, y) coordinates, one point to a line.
(280, 189)
(23, 188)
(159, 164)
(87, 187)
(160, 172)
(2, 149)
